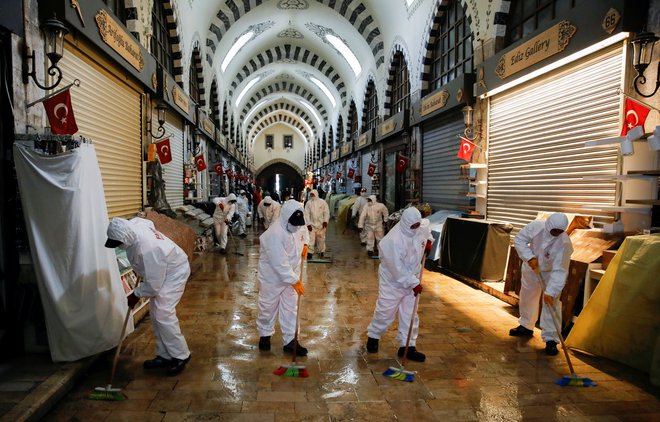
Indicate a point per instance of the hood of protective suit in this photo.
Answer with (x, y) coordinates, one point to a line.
(287, 210)
(373, 199)
(409, 217)
(268, 200)
(557, 220)
(121, 229)
(231, 197)
(315, 193)
(364, 194)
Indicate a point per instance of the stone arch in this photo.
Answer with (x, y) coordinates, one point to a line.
(397, 47)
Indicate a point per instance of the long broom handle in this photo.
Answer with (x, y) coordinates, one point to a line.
(121, 340)
(295, 332)
(414, 312)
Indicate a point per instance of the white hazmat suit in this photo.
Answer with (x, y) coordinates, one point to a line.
(280, 251)
(554, 256)
(223, 212)
(372, 218)
(356, 211)
(242, 210)
(401, 254)
(164, 269)
(317, 215)
(268, 211)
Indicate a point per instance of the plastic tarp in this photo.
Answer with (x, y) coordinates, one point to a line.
(79, 283)
(437, 222)
(344, 212)
(333, 202)
(621, 320)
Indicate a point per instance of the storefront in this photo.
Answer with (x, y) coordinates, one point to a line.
(367, 150)
(392, 137)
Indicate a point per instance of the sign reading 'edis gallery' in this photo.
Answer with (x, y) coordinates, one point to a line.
(119, 40)
(544, 45)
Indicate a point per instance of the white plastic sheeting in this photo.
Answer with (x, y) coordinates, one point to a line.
(66, 216)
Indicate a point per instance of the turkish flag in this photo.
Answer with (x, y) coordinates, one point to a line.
(228, 173)
(401, 163)
(322, 179)
(634, 115)
(351, 173)
(338, 175)
(164, 151)
(372, 169)
(466, 150)
(60, 114)
(218, 169)
(200, 163)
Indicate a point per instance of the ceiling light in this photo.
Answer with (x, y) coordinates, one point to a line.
(246, 89)
(240, 42)
(254, 108)
(325, 90)
(346, 52)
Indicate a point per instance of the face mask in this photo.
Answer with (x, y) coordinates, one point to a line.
(370, 204)
(291, 228)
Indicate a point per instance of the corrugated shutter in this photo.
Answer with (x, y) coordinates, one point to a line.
(173, 171)
(537, 158)
(364, 167)
(443, 185)
(108, 111)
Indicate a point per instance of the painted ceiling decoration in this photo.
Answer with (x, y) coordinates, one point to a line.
(256, 102)
(283, 118)
(280, 106)
(284, 87)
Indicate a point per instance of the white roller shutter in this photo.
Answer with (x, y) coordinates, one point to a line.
(537, 158)
(443, 186)
(173, 171)
(108, 110)
(364, 167)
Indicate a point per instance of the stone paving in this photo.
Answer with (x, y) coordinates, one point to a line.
(474, 370)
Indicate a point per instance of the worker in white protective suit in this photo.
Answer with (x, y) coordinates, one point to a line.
(242, 211)
(164, 269)
(401, 254)
(222, 217)
(281, 251)
(317, 215)
(545, 250)
(268, 211)
(356, 211)
(372, 218)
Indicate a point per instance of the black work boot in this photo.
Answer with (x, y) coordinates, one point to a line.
(551, 348)
(177, 366)
(320, 254)
(264, 343)
(520, 331)
(300, 350)
(157, 362)
(413, 354)
(370, 253)
(372, 345)
(310, 255)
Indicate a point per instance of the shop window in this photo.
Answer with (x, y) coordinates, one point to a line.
(160, 40)
(270, 142)
(353, 119)
(288, 142)
(527, 16)
(193, 80)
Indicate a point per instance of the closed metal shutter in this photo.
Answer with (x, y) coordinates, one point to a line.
(443, 184)
(537, 158)
(364, 167)
(173, 171)
(107, 110)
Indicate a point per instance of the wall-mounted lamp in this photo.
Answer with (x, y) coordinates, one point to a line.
(160, 115)
(468, 116)
(54, 32)
(643, 44)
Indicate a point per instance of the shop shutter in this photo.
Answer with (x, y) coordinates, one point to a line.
(173, 171)
(107, 110)
(537, 158)
(364, 167)
(443, 185)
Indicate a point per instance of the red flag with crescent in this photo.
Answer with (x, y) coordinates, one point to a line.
(229, 173)
(200, 163)
(371, 169)
(351, 173)
(218, 169)
(164, 151)
(401, 163)
(634, 115)
(60, 114)
(466, 150)
(322, 179)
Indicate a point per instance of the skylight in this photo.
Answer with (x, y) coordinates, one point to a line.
(325, 90)
(409, 2)
(346, 52)
(240, 42)
(246, 89)
(254, 108)
(311, 109)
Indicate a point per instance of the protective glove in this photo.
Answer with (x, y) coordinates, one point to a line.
(417, 289)
(309, 227)
(429, 246)
(534, 264)
(132, 300)
(304, 251)
(299, 288)
(227, 222)
(548, 300)
(360, 229)
(325, 224)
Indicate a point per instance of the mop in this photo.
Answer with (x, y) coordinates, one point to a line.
(107, 392)
(233, 241)
(293, 370)
(573, 380)
(399, 373)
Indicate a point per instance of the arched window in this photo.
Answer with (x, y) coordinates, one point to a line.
(526, 16)
(452, 51)
(215, 104)
(400, 84)
(160, 40)
(370, 113)
(340, 131)
(193, 80)
(118, 8)
(353, 119)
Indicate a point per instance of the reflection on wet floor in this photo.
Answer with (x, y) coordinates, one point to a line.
(473, 371)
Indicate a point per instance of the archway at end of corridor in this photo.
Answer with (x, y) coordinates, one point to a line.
(279, 179)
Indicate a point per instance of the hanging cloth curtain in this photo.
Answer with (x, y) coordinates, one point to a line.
(66, 217)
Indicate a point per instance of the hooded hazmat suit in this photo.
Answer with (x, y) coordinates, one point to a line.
(554, 256)
(280, 250)
(164, 269)
(242, 210)
(401, 254)
(224, 212)
(317, 215)
(268, 213)
(356, 211)
(372, 218)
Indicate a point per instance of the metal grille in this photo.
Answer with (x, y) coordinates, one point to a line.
(173, 171)
(537, 158)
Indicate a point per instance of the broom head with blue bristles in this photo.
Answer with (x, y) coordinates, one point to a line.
(399, 374)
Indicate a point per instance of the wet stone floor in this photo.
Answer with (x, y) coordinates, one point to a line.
(474, 371)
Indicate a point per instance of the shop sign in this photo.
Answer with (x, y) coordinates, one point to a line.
(388, 126)
(208, 125)
(611, 20)
(362, 140)
(180, 99)
(539, 48)
(335, 154)
(434, 102)
(119, 40)
(346, 148)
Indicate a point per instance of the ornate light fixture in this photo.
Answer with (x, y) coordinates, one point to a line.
(643, 44)
(468, 114)
(160, 115)
(54, 32)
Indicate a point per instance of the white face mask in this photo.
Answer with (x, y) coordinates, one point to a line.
(291, 228)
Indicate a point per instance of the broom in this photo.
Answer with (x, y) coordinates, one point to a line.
(107, 392)
(573, 380)
(293, 370)
(233, 241)
(400, 374)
